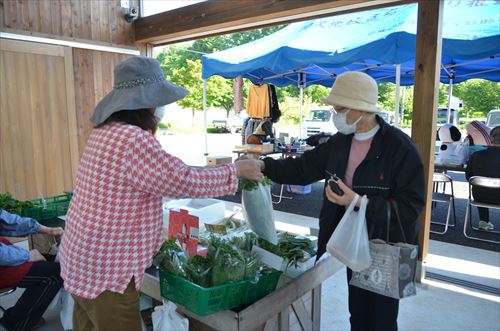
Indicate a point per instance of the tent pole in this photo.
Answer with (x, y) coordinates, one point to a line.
(300, 110)
(450, 94)
(205, 117)
(403, 105)
(396, 105)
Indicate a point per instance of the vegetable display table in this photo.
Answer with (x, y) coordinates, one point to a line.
(270, 312)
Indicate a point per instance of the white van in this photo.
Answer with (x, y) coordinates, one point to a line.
(319, 120)
(442, 116)
(493, 118)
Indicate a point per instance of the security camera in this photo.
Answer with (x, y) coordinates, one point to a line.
(132, 14)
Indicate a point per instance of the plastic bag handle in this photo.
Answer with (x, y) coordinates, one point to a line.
(353, 203)
(396, 210)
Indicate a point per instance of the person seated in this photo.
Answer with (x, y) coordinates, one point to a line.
(478, 134)
(486, 163)
(26, 269)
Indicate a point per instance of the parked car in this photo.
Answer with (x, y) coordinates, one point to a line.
(493, 118)
(387, 116)
(319, 120)
(442, 116)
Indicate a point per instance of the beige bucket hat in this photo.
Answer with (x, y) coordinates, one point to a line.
(355, 90)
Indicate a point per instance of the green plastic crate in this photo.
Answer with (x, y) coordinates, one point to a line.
(204, 301)
(47, 208)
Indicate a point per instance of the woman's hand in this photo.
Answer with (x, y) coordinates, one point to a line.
(248, 169)
(342, 200)
(51, 231)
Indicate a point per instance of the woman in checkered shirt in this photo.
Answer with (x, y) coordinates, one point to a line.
(114, 221)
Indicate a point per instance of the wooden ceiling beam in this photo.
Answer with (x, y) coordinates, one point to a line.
(215, 17)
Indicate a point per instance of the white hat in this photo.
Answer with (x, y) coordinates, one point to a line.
(355, 90)
(139, 82)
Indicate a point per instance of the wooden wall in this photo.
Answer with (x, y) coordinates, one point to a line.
(93, 20)
(93, 72)
(38, 143)
(43, 162)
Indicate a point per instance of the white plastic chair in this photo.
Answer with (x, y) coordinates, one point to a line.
(442, 197)
(486, 182)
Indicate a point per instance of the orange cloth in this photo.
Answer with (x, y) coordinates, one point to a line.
(258, 101)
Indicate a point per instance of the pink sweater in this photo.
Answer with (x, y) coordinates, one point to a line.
(359, 149)
(114, 221)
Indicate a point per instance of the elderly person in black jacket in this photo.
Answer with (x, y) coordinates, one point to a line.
(371, 158)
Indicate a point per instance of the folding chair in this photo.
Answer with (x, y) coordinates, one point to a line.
(6, 291)
(479, 181)
(437, 197)
(280, 196)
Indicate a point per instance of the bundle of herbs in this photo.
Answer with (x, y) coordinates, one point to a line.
(14, 206)
(294, 249)
(171, 258)
(199, 270)
(231, 260)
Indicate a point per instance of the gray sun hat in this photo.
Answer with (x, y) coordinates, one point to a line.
(139, 83)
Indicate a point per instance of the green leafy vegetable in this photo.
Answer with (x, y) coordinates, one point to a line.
(198, 270)
(14, 206)
(294, 249)
(248, 185)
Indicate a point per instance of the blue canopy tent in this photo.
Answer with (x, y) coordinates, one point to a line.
(380, 42)
(314, 52)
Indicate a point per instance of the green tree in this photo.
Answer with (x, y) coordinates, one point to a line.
(182, 64)
(479, 96)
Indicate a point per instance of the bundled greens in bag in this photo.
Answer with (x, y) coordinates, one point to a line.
(199, 269)
(258, 208)
(231, 261)
(171, 258)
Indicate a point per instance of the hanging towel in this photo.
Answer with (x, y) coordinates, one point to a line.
(258, 101)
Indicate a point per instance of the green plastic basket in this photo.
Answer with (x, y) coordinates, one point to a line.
(204, 301)
(47, 208)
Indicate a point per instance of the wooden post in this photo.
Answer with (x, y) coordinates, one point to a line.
(425, 101)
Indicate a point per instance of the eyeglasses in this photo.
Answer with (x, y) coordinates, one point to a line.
(339, 109)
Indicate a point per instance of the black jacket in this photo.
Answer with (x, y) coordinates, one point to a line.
(392, 169)
(485, 163)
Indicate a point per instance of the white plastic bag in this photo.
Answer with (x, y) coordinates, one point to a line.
(165, 318)
(66, 313)
(349, 242)
(258, 212)
(64, 303)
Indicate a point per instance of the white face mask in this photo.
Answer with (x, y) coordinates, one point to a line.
(340, 122)
(159, 112)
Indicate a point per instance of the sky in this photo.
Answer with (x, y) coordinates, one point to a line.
(152, 7)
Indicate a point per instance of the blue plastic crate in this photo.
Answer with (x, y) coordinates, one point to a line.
(299, 189)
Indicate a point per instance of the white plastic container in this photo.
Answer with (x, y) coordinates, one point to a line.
(207, 210)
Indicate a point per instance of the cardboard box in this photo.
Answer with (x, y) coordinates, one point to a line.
(257, 148)
(217, 160)
(279, 263)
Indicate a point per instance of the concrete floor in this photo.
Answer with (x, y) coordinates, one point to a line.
(438, 305)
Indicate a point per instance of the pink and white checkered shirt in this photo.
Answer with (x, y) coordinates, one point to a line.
(114, 221)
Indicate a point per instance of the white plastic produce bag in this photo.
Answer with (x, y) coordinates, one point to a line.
(165, 318)
(349, 242)
(258, 211)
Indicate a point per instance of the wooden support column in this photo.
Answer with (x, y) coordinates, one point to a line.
(425, 101)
